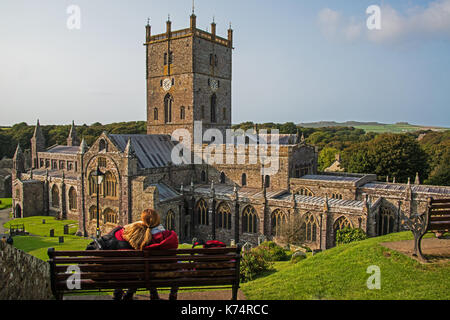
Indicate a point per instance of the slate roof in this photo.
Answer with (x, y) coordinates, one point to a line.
(64, 149)
(165, 192)
(152, 151)
(414, 188)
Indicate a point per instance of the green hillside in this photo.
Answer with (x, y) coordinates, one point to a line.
(340, 274)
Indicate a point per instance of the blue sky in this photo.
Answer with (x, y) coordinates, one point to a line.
(294, 60)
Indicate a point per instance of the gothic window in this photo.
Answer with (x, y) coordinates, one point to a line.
(386, 221)
(182, 113)
(309, 228)
(249, 220)
(93, 187)
(165, 58)
(55, 196)
(215, 60)
(213, 108)
(337, 196)
(54, 164)
(224, 113)
(244, 179)
(102, 145)
(168, 101)
(109, 216)
(279, 220)
(72, 199)
(110, 186)
(223, 217)
(155, 114)
(267, 182)
(170, 57)
(340, 224)
(305, 192)
(41, 163)
(222, 177)
(170, 220)
(93, 213)
(101, 162)
(202, 213)
(203, 176)
(61, 165)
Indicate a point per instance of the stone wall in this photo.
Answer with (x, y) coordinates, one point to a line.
(22, 276)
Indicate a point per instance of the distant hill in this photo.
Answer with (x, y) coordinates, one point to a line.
(372, 126)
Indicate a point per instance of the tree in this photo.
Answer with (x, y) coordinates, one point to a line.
(397, 155)
(326, 158)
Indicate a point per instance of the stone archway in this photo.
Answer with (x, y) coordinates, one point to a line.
(18, 211)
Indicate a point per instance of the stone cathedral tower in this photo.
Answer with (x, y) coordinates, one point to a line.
(188, 79)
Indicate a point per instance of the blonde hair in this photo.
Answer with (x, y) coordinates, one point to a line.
(139, 234)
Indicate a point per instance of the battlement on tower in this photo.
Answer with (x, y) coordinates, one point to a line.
(192, 31)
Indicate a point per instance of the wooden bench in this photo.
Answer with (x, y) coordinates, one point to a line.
(142, 270)
(435, 219)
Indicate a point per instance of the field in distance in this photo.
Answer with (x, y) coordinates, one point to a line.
(399, 127)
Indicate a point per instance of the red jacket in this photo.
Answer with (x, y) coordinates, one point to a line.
(161, 239)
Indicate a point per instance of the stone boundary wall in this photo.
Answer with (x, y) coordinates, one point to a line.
(22, 276)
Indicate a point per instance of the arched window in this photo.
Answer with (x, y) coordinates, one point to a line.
(249, 220)
(305, 192)
(93, 213)
(267, 182)
(182, 113)
(244, 179)
(386, 221)
(155, 114)
(72, 199)
(223, 216)
(168, 101)
(340, 224)
(55, 196)
(213, 108)
(203, 176)
(309, 228)
(110, 185)
(109, 216)
(202, 213)
(93, 187)
(170, 220)
(279, 221)
(102, 145)
(222, 177)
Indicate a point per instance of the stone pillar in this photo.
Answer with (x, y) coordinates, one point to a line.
(235, 217)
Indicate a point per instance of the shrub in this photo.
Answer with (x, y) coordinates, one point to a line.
(348, 235)
(254, 262)
(298, 256)
(273, 251)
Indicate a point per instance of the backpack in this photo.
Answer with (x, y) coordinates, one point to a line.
(209, 244)
(109, 242)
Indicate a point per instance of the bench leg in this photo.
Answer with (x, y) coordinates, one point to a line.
(418, 247)
(234, 293)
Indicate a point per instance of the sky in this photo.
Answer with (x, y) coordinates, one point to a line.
(294, 60)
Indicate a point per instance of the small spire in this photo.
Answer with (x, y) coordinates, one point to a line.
(214, 19)
(409, 181)
(83, 146)
(230, 25)
(417, 181)
(18, 151)
(148, 21)
(168, 17)
(193, 6)
(129, 149)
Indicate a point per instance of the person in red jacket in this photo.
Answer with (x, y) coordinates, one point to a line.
(148, 234)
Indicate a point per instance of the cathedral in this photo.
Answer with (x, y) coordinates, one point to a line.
(189, 81)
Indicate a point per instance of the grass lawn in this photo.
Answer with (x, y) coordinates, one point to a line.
(34, 225)
(5, 203)
(340, 274)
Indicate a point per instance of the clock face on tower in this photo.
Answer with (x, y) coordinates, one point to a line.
(214, 84)
(167, 84)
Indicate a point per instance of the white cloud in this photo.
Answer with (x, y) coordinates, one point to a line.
(415, 24)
